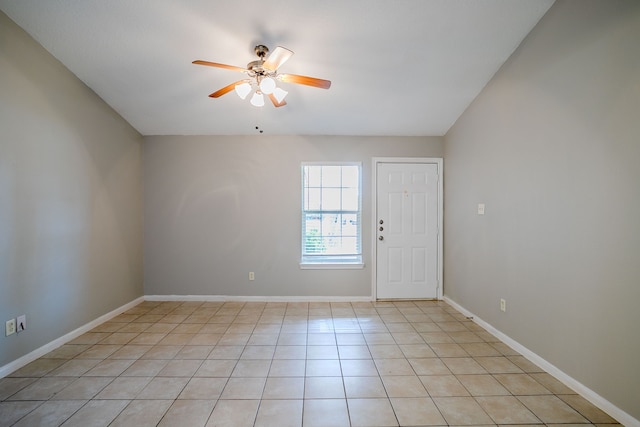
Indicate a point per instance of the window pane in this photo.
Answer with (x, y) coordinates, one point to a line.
(330, 199)
(350, 199)
(350, 176)
(331, 176)
(350, 225)
(312, 199)
(313, 176)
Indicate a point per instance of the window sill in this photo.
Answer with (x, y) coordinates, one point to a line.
(331, 266)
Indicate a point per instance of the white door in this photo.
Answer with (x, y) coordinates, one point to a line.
(407, 230)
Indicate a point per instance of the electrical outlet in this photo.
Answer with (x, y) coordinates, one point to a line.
(10, 327)
(503, 305)
(21, 323)
(252, 276)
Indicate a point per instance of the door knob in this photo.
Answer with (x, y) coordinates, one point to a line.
(380, 238)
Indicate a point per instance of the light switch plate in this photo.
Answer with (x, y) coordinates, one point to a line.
(480, 208)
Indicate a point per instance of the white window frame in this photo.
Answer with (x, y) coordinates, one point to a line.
(338, 261)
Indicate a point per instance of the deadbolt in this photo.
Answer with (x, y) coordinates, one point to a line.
(381, 228)
(381, 222)
(380, 238)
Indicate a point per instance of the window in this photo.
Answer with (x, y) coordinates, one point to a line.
(331, 215)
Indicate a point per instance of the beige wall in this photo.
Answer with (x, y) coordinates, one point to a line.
(70, 199)
(552, 147)
(218, 207)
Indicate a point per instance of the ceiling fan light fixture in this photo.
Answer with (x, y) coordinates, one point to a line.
(279, 94)
(257, 100)
(267, 85)
(243, 90)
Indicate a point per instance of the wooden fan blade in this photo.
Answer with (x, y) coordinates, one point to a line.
(279, 56)
(304, 80)
(225, 90)
(215, 64)
(275, 101)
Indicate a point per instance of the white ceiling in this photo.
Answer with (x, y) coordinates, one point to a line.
(398, 67)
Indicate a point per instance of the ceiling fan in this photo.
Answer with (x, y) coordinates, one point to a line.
(262, 75)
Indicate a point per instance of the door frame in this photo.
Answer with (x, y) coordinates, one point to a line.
(438, 161)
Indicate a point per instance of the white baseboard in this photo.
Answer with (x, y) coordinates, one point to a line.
(593, 397)
(255, 298)
(39, 352)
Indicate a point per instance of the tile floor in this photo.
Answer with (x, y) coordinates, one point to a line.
(288, 364)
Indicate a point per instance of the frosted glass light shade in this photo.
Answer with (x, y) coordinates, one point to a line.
(279, 94)
(267, 85)
(243, 89)
(257, 100)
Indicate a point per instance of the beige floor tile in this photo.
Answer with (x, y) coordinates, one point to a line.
(416, 351)
(192, 413)
(448, 350)
(237, 413)
(290, 352)
(325, 413)
(234, 339)
(90, 338)
(188, 328)
(378, 338)
(124, 388)
(364, 387)
(350, 339)
(429, 366)
(551, 384)
(463, 365)
(417, 411)
(386, 351)
(203, 388)
(323, 368)
(371, 412)
(436, 337)
(66, 351)
(279, 413)
(404, 386)
(328, 339)
(205, 339)
(394, 367)
(130, 351)
(74, 368)
(109, 368)
(145, 368)
(358, 368)
(482, 385)
(216, 368)
(38, 368)
(51, 413)
(407, 338)
(498, 365)
(354, 352)
(119, 338)
(226, 352)
(284, 388)
(160, 328)
(96, 413)
(243, 388)
(478, 349)
(263, 339)
(550, 409)
(180, 368)
(142, 413)
(443, 386)
(163, 388)
(148, 338)
(258, 352)
(9, 386)
(287, 368)
(176, 339)
(194, 352)
(43, 388)
(461, 411)
(99, 351)
(521, 384)
(162, 352)
(325, 352)
(507, 410)
(525, 364)
(10, 412)
(324, 388)
(84, 388)
(587, 409)
(292, 339)
(251, 368)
